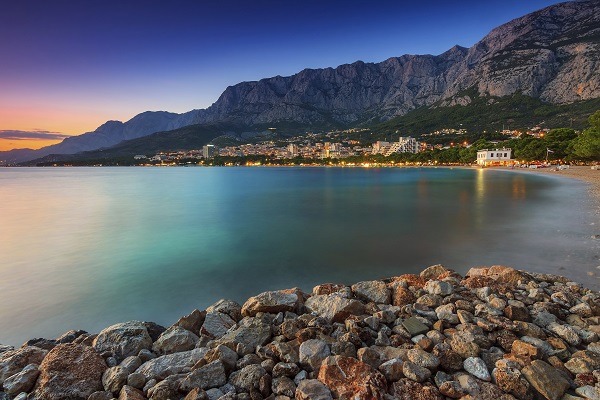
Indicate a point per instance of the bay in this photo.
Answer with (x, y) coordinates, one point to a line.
(83, 248)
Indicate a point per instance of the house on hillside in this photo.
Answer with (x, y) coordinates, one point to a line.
(487, 158)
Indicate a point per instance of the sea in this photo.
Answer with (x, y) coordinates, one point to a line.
(85, 248)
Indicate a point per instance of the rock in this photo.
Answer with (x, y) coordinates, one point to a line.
(170, 364)
(565, 332)
(447, 312)
(312, 389)
(517, 313)
(45, 344)
(174, 340)
(13, 361)
(251, 332)
(100, 395)
(223, 353)
(464, 345)
(402, 297)
(372, 291)
(154, 330)
(69, 371)
(22, 381)
(229, 307)
(312, 353)
(512, 381)
(216, 324)
(285, 369)
(588, 392)
(284, 386)
(209, 376)
(441, 288)
(136, 380)
(433, 272)
(270, 302)
(545, 379)
(193, 321)
(414, 326)
(166, 389)
(423, 358)
(349, 378)
(247, 378)
(392, 370)
(114, 378)
(123, 340)
(476, 367)
(334, 307)
(369, 356)
(406, 389)
(196, 394)
(415, 372)
(130, 393)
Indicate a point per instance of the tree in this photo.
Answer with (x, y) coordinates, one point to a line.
(587, 145)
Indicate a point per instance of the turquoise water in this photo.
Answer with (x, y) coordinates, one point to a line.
(83, 248)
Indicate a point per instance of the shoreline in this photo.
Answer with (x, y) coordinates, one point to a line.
(496, 333)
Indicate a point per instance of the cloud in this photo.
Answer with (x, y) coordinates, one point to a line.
(31, 135)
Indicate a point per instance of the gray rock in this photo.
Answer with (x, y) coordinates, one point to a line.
(302, 375)
(22, 381)
(136, 380)
(130, 393)
(216, 324)
(565, 332)
(476, 367)
(283, 386)
(588, 392)
(433, 272)
(545, 379)
(334, 307)
(441, 288)
(114, 379)
(372, 291)
(214, 394)
(174, 340)
(170, 364)
(229, 307)
(415, 372)
(247, 378)
(312, 389)
(270, 302)
(251, 332)
(414, 326)
(193, 321)
(423, 358)
(392, 370)
(210, 376)
(13, 361)
(123, 340)
(100, 395)
(447, 312)
(312, 353)
(285, 369)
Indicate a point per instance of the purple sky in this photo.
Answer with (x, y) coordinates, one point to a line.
(68, 66)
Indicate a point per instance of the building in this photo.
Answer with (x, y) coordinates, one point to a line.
(209, 151)
(403, 145)
(487, 157)
(293, 149)
(379, 146)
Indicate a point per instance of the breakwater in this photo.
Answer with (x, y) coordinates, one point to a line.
(496, 333)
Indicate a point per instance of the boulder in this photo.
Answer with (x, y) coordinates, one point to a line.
(216, 324)
(130, 393)
(69, 371)
(441, 288)
(161, 367)
(210, 376)
(406, 389)
(433, 272)
(545, 379)
(247, 378)
(193, 321)
(174, 340)
(372, 291)
(22, 381)
(229, 307)
(334, 307)
(114, 379)
(312, 352)
(251, 331)
(13, 361)
(270, 302)
(349, 378)
(123, 340)
(312, 389)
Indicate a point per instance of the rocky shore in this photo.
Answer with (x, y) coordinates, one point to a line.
(497, 333)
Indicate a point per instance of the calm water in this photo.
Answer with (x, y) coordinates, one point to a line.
(83, 248)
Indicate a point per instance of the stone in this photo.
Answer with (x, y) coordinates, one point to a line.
(312, 389)
(216, 324)
(402, 297)
(247, 378)
(283, 386)
(13, 361)
(196, 394)
(170, 364)
(414, 326)
(270, 302)
(69, 371)
(223, 353)
(100, 395)
(476, 367)
(251, 332)
(545, 379)
(406, 389)
(512, 381)
(588, 392)
(423, 358)
(516, 313)
(22, 381)
(193, 321)
(328, 288)
(166, 389)
(447, 312)
(130, 393)
(452, 389)
(441, 288)
(312, 353)
(521, 348)
(114, 379)
(174, 340)
(334, 307)
(229, 307)
(349, 378)
(565, 332)
(285, 369)
(45, 344)
(464, 345)
(123, 340)
(415, 372)
(392, 370)
(210, 376)
(372, 291)
(136, 380)
(433, 272)
(131, 363)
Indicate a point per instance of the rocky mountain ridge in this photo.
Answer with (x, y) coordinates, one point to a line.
(552, 54)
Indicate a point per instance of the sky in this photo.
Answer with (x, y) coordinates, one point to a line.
(66, 67)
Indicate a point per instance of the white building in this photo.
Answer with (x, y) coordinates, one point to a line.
(293, 149)
(403, 145)
(487, 157)
(209, 151)
(379, 146)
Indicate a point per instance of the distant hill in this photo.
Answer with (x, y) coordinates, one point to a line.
(552, 55)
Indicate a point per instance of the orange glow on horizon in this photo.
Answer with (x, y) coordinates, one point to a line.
(11, 144)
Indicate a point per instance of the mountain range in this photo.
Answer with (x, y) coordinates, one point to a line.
(552, 55)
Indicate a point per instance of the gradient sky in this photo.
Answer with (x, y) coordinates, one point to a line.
(66, 67)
